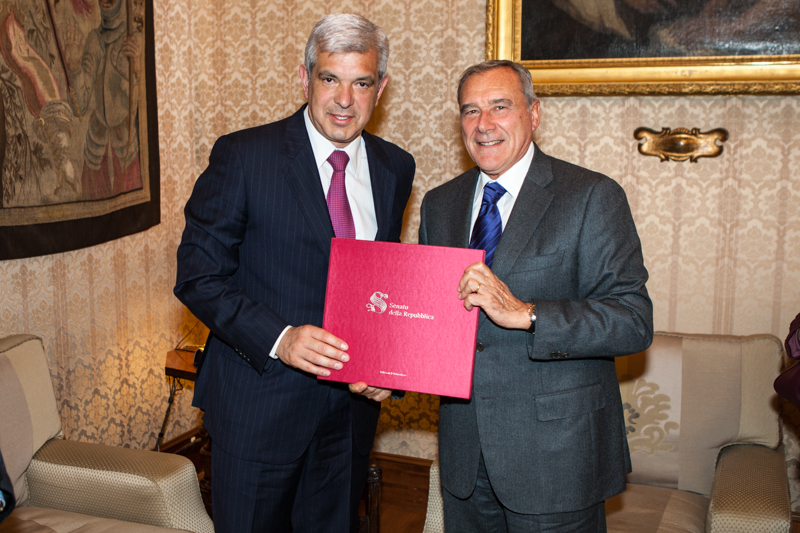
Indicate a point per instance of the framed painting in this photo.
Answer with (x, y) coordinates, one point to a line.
(79, 142)
(650, 47)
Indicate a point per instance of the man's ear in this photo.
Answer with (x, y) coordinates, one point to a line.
(535, 114)
(384, 81)
(304, 78)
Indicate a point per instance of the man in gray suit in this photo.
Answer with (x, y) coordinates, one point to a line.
(541, 444)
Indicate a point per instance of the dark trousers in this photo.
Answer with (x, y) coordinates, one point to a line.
(482, 512)
(319, 492)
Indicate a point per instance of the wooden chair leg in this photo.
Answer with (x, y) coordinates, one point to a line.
(370, 522)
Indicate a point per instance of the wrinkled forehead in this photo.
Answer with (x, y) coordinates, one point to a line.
(351, 64)
(492, 84)
(490, 92)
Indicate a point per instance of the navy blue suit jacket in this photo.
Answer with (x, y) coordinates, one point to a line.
(253, 260)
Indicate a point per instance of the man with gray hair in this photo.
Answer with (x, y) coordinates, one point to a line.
(541, 443)
(290, 452)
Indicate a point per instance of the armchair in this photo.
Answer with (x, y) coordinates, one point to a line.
(702, 425)
(703, 431)
(65, 486)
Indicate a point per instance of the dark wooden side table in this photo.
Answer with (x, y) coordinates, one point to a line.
(180, 365)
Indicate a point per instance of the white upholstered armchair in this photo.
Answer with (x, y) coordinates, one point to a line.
(63, 486)
(703, 431)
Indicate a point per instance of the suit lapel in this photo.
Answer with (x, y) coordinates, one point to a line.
(303, 177)
(461, 209)
(529, 208)
(383, 183)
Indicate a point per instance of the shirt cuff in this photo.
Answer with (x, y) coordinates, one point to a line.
(274, 352)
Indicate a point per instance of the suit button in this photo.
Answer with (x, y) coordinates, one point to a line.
(555, 355)
(479, 347)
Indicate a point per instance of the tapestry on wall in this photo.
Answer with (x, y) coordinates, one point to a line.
(79, 142)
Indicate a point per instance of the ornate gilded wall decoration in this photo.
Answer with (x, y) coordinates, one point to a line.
(680, 144)
(647, 416)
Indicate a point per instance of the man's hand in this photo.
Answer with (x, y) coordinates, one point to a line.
(479, 287)
(130, 49)
(73, 46)
(313, 350)
(373, 393)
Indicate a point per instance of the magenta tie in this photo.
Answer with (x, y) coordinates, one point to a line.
(338, 206)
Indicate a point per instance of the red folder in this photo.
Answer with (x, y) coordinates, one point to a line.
(397, 307)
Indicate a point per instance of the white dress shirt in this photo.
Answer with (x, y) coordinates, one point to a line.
(356, 181)
(511, 181)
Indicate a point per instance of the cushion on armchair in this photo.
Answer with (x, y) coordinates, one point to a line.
(689, 396)
(750, 491)
(39, 520)
(29, 406)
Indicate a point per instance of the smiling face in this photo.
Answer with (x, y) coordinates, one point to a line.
(496, 123)
(342, 91)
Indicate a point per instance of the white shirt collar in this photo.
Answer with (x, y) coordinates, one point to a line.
(323, 148)
(513, 178)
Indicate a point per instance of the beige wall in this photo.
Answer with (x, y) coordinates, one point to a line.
(720, 236)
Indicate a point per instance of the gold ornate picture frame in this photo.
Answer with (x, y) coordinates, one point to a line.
(716, 75)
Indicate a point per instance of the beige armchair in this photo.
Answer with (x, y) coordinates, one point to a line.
(63, 486)
(703, 432)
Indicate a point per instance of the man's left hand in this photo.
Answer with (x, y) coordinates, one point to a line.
(131, 50)
(479, 287)
(373, 393)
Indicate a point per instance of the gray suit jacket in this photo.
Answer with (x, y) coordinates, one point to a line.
(545, 408)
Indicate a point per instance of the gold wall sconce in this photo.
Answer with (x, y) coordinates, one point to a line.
(680, 144)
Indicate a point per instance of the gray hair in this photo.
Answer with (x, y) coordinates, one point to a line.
(525, 80)
(342, 33)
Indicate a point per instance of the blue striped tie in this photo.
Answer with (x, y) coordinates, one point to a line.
(488, 226)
